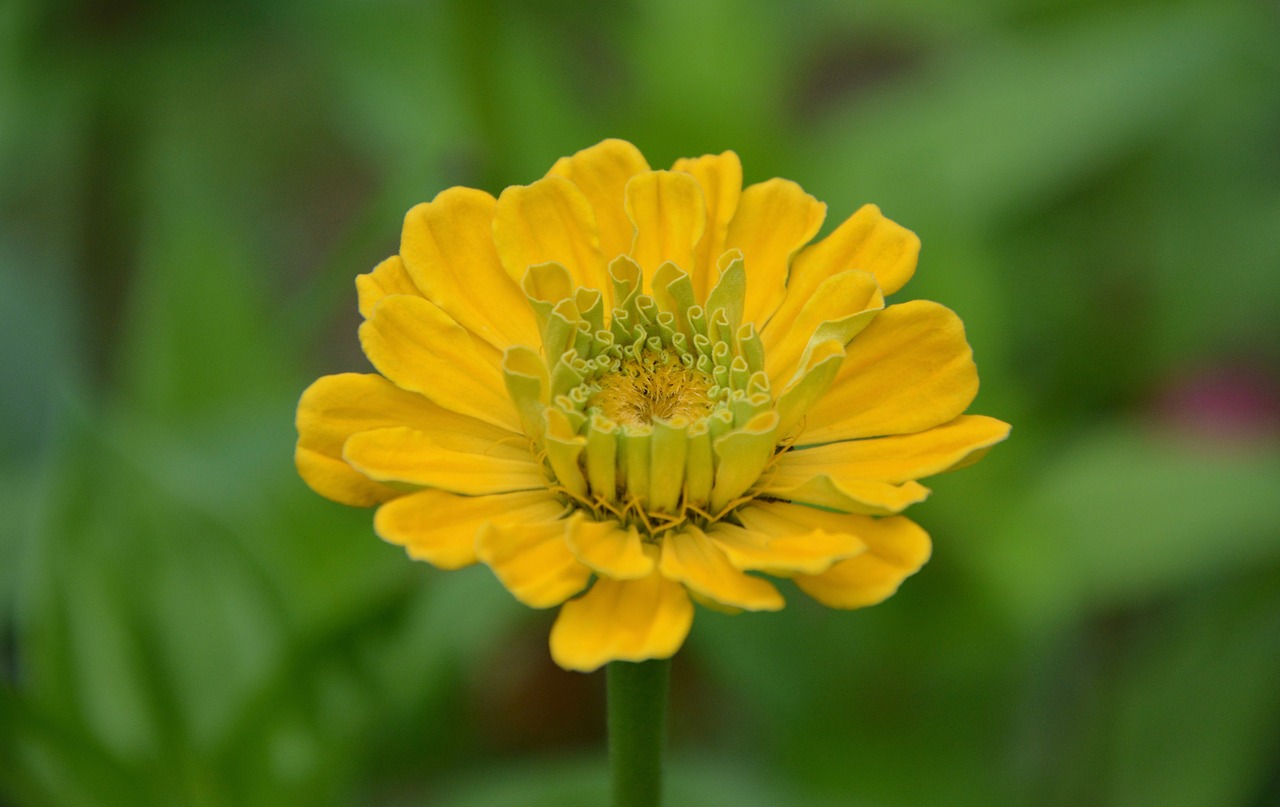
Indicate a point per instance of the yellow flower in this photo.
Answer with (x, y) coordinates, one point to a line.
(642, 385)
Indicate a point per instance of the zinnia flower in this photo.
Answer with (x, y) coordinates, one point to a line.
(625, 390)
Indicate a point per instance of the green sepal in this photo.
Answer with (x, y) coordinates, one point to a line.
(720, 329)
(674, 292)
(722, 354)
(583, 338)
(823, 362)
(699, 465)
(633, 461)
(667, 273)
(719, 422)
(721, 375)
(667, 451)
(730, 292)
(746, 407)
(628, 280)
(569, 371)
(571, 406)
(602, 457)
(603, 341)
(545, 285)
(648, 311)
(561, 329)
(622, 326)
(681, 344)
(590, 303)
(750, 346)
(741, 456)
(665, 325)
(525, 375)
(606, 363)
(739, 373)
(844, 328)
(696, 316)
(564, 448)
(703, 363)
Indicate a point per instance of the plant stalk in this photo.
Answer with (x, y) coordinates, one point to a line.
(637, 696)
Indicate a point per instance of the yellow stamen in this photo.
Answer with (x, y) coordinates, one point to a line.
(641, 391)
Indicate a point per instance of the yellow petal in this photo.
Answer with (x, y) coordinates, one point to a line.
(845, 495)
(547, 221)
(621, 620)
(773, 221)
(839, 309)
(690, 557)
(338, 406)
(411, 457)
(899, 458)
(909, 370)
(720, 176)
(609, 548)
(601, 173)
(533, 561)
(867, 241)
(333, 479)
(669, 215)
(418, 346)
(779, 537)
(441, 527)
(388, 277)
(447, 247)
(896, 549)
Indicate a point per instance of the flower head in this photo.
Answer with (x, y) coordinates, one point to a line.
(624, 388)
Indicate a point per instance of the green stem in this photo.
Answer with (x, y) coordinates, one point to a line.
(637, 724)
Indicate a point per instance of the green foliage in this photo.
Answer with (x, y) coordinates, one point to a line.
(188, 191)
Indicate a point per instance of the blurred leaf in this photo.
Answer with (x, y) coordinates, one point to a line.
(713, 81)
(1122, 514)
(585, 784)
(85, 660)
(43, 762)
(853, 702)
(1198, 703)
(394, 88)
(199, 334)
(452, 623)
(1006, 123)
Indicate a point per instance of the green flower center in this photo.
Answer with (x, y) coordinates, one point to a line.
(655, 412)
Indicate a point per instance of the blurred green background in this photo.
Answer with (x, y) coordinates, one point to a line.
(188, 190)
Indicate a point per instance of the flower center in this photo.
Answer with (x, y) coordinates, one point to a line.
(653, 387)
(655, 412)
